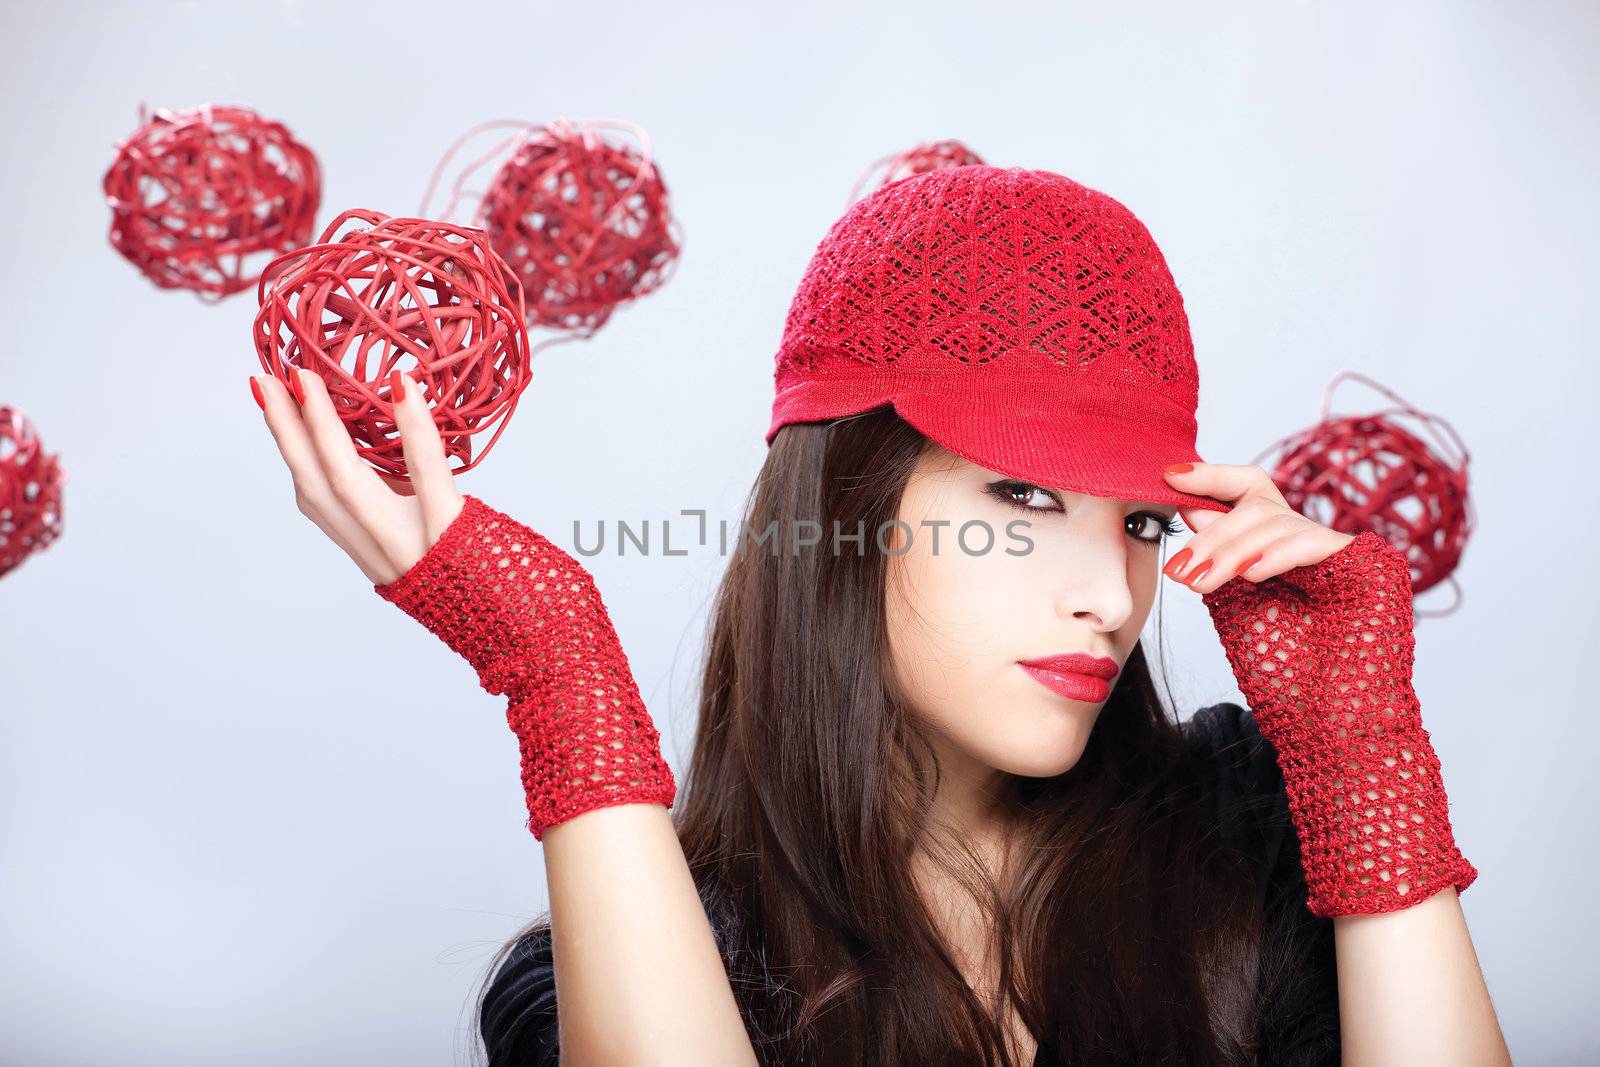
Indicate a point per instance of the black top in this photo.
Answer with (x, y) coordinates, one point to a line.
(1300, 1022)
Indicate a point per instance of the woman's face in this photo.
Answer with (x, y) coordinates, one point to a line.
(961, 620)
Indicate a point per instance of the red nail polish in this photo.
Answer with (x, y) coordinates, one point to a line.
(397, 388)
(1194, 575)
(255, 391)
(1175, 564)
(1251, 562)
(294, 387)
(1180, 468)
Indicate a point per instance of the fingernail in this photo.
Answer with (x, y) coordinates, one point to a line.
(255, 391)
(1180, 468)
(295, 388)
(1175, 564)
(1251, 562)
(397, 385)
(1194, 575)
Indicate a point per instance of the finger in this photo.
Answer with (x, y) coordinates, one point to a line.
(399, 485)
(1212, 557)
(353, 483)
(1200, 519)
(423, 448)
(1225, 481)
(1255, 554)
(1269, 549)
(317, 501)
(369, 560)
(386, 521)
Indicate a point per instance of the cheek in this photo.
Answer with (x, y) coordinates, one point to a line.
(957, 625)
(1144, 578)
(954, 609)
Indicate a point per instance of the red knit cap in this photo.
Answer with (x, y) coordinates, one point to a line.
(1023, 321)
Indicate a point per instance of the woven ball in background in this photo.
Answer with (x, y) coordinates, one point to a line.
(1369, 472)
(929, 155)
(30, 491)
(584, 222)
(431, 299)
(202, 198)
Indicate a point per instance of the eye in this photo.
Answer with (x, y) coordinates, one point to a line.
(1157, 527)
(1017, 494)
(1149, 527)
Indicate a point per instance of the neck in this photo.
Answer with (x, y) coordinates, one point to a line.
(972, 800)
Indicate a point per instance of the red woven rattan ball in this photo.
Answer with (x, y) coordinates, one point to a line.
(584, 222)
(429, 298)
(929, 155)
(201, 199)
(30, 491)
(1368, 472)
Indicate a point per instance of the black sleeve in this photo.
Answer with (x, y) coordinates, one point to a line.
(1300, 1010)
(519, 1007)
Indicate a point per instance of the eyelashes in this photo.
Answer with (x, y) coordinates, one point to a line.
(1007, 490)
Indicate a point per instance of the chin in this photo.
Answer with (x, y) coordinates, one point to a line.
(1042, 765)
(1035, 754)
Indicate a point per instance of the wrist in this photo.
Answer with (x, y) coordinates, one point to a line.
(530, 620)
(587, 741)
(1373, 823)
(499, 594)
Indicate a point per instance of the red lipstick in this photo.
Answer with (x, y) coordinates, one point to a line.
(1075, 676)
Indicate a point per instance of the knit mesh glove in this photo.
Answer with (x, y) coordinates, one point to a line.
(1323, 655)
(530, 620)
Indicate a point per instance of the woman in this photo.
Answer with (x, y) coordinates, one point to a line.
(936, 812)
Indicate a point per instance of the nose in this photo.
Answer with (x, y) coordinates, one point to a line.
(1094, 587)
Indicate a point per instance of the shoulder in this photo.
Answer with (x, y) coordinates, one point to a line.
(1237, 772)
(1237, 768)
(1226, 730)
(518, 1016)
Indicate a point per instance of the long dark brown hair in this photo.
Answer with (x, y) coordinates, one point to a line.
(1126, 930)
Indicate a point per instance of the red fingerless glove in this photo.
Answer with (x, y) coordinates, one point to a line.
(529, 619)
(1323, 655)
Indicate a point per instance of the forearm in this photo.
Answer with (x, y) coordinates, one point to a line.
(1411, 990)
(638, 973)
(1324, 654)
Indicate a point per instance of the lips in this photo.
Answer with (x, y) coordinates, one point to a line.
(1075, 676)
(1076, 663)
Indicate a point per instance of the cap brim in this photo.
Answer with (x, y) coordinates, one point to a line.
(1089, 452)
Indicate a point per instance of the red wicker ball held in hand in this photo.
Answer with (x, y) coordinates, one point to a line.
(430, 299)
(200, 199)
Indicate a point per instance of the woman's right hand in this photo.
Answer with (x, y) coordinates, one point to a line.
(384, 524)
(523, 612)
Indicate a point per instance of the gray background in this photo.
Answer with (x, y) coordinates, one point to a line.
(254, 815)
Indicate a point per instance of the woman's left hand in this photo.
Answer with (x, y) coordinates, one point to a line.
(1262, 535)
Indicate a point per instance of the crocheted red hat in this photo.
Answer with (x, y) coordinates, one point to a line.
(1018, 318)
